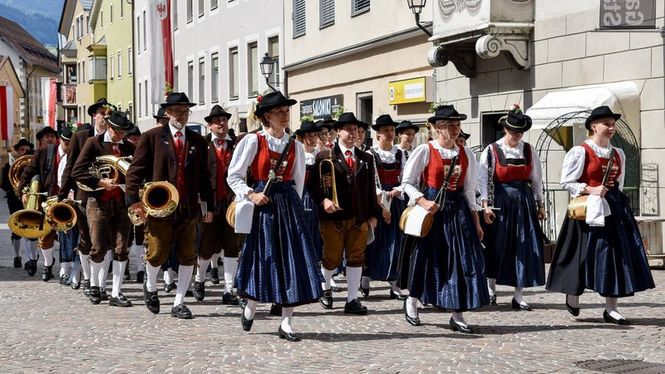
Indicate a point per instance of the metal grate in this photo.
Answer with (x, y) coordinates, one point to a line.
(621, 366)
(326, 13)
(299, 24)
(359, 7)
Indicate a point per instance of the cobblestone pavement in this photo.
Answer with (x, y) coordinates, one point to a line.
(49, 327)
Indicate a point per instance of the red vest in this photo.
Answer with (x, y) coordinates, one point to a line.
(594, 168)
(437, 169)
(223, 160)
(511, 170)
(265, 160)
(389, 173)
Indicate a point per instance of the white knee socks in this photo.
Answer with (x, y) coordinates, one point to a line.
(491, 286)
(85, 266)
(353, 275)
(48, 256)
(412, 307)
(17, 247)
(30, 248)
(364, 281)
(65, 268)
(250, 309)
(327, 278)
(287, 317)
(118, 276)
(184, 277)
(103, 275)
(75, 273)
(213, 261)
(95, 271)
(202, 265)
(230, 268)
(151, 277)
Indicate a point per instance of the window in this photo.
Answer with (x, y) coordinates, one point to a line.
(326, 13)
(252, 70)
(87, 25)
(359, 7)
(83, 75)
(299, 26)
(273, 52)
(234, 81)
(138, 37)
(112, 67)
(119, 64)
(130, 61)
(202, 80)
(144, 43)
(175, 14)
(140, 90)
(122, 9)
(190, 79)
(175, 78)
(111, 13)
(145, 97)
(190, 11)
(101, 18)
(78, 28)
(130, 108)
(213, 4)
(214, 77)
(201, 8)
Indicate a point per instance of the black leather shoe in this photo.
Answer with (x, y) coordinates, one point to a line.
(364, 292)
(199, 291)
(246, 323)
(493, 299)
(275, 310)
(151, 300)
(355, 307)
(86, 287)
(103, 295)
(189, 293)
(214, 275)
(242, 303)
(572, 310)
(394, 295)
(411, 320)
(458, 327)
(181, 311)
(289, 336)
(120, 301)
(94, 295)
(229, 299)
(47, 273)
(63, 279)
(609, 319)
(139, 276)
(336, 289)
(18, 261)
(326, 300)
(518, 306)
(31, 267)
(75, 285)
(169, 287)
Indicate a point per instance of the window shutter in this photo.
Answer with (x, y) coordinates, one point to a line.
(326, 13)
(299, 25)
(360, 6)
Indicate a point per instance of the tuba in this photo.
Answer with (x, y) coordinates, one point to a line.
(327, 177)
(159, 200)
(29, 222)
(16, 170)
(60, 215)
(107, 166)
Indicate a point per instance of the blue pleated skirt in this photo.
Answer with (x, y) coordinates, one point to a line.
(446, 267)
(610, 260)
(382, 255)
(278, 263)
(312, 222)
(514, 255)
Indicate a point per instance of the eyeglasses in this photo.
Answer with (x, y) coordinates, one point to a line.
(180, 112)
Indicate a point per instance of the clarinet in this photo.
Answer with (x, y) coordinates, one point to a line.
(490, 181)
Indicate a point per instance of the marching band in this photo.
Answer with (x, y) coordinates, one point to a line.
(285, 213)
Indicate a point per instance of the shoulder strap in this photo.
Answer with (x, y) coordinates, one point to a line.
(610, 164)
(283, 155)
(527, 153)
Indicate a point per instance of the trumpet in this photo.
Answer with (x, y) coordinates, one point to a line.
(16, 170)
(107, 167)
(60, 215)
(328, 185)
(29, 222)
(159, 200)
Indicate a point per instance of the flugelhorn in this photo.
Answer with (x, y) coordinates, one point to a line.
(60, 214)
(328, 185)
(16, 170)
(159, 199)
(107, 167)
(29, 222)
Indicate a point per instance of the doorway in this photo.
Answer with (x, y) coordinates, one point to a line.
(365, 103)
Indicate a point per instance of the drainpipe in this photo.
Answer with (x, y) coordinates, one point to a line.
(134, 108)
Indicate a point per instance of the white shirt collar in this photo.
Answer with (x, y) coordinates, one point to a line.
(61, 152)
(174, 130)
(107, 138)
(344, 149)
(213, 137)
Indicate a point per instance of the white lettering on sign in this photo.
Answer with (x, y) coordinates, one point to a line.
(627, 13)
(414, 90)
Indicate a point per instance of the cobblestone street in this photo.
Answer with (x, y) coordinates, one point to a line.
(51, 328)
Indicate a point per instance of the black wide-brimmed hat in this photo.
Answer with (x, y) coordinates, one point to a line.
(92, 109)
(217, 111)
(161, 114)
(65, 133)
(600, 112)
(383, 120)
(176, 98)
(23, 142)
(464, 135)
(405, 125)
(307, 126)
(348, 118)
(446, 112)
(119, 121)
(44, 131)
(272, 100)
(516, 121)
(133, 131)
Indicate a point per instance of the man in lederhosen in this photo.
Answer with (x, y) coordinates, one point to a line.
(345, 226)
(106, 211)
(218, 234)
(178, 155)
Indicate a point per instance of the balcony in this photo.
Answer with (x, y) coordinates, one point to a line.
(68, 94)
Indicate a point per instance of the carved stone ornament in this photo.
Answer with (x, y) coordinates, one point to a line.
(517, 45)
(463, 60)
(448, 7)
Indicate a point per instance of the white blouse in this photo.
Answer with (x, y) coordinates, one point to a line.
(536, 175)
(387, 157)
(244, 155)
(419, 160)
(573, 166)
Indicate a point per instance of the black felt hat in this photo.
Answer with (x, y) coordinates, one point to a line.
(272, 100)
(161, 113)
(133, 131)
(65, 133)
(347, 118)
(119, 121)
(23, 142)
(307, 126)
(383, 120)
(176, 98)
(464, 135)
(217, 111)
(600, 112)
(44, 131)
(446, 112)
(516, 121)
(405, 125)
(92, 109)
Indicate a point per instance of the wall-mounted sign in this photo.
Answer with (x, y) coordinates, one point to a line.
(415, 90)
(321, 107)
(627, 14)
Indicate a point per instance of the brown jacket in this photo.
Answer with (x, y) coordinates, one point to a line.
(75, 147)
(155, 160)
(356, 190)
(48, 174)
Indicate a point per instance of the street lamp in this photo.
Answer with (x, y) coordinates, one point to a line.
(416, 7)
(267, 66)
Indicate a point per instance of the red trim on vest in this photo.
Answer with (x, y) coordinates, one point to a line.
(594, 168)
(437, 169)
(223, 160)
(505, 172)
(266, 159)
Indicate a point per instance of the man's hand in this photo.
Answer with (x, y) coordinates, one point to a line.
(24, 199)
(329, 206)
(107, 184)
(207, 218)
(137, 208)
(372, 222)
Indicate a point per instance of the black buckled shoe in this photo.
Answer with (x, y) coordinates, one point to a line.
(103, 295)
(214, 275)
(459, 327)
(572, 310)
(63, 279)
(86, 287)
(75, 285)
(609, 319)
(394, 295)
(493, 299)
(519, 306)
(181, 311)
(18, 262)
(94, 295)
(289, 336)
(336, 289)
(169, 287)
(355, 307)
(246, 323)
(31, 267)
(413, 321)
(140, 276)
(326, 300)
(120, 301)
(229, 298)
(275, 310)
(47, 273)
(151, 300)
(199, 291)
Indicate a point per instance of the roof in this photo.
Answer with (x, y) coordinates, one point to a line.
(86, 4)
(6, 61)
(32, 51)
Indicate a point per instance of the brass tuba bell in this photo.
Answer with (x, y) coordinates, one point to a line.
(29, 222)
(159, 199)
(60, 215)
(16, 170)
(107, 166)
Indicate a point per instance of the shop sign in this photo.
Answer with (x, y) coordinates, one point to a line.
(321, 107)
(627, 14)
(406, 91)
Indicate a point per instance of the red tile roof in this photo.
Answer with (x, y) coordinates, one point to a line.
(31, 50)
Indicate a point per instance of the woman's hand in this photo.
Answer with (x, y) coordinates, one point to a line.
(541, 213)
(394, 193)
(428, 205)
(479, 230)
(598, 190)
(386, 215)
(488, 216)
(258, 198)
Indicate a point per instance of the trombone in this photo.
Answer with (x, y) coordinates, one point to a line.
(327, 179)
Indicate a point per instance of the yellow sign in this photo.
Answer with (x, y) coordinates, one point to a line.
(408, 91)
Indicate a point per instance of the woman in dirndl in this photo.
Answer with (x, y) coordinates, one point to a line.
(278, 263)
(308, 134)
(446, 266)
(604, 252)
(511, 180)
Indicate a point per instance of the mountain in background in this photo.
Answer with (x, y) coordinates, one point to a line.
(38, 17)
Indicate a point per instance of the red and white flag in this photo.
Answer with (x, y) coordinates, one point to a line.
(7, 113)
(161, 46)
